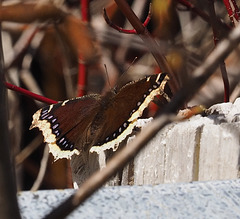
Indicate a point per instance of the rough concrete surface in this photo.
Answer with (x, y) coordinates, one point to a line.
(212, 199)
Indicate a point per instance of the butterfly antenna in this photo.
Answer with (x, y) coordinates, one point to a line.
(106, 71)
(133, 61)
(123, 79)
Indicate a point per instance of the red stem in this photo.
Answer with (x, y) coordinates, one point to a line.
(213, 22)
(201, 13)
(232, 13)
(121, 30)
(192, 7)
(29, 93)
(150, 43)
(84, 10)
(81, 78)
(81, 66)
(229, 10)
(237, 12)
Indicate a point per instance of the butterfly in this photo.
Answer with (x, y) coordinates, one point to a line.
(95, 123)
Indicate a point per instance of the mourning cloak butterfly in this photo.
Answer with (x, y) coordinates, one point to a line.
(96, 123)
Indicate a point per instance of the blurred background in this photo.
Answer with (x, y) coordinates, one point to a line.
(59, 49)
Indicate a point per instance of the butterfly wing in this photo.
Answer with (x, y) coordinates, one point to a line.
(123, 110)
(102, 122)
(65, 125)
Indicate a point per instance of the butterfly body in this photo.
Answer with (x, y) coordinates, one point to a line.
(95, 123)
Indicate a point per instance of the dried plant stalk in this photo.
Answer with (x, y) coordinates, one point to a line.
(8, 200)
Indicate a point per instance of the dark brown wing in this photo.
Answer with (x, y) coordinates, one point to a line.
(119, 113)
(65, 125)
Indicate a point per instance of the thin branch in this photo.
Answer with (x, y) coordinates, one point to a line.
(200, 76)
(232, 10)
(122, 30)
(202, 14)
(22, 44)
(213, 21)
(35, 12)
(42, 171)
(85, 10)
(217, 38)
(28, 150)
(225, 81)
(235, 93)
(29, 93)
(150, 43)
(8, 201)
(236, 10)
(82, 68)
(81, 78)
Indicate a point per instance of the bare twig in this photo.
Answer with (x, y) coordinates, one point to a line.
(8, 200)
(35, 12)
(85, 10)
(200, 76)
(150, 43)
(27, 151)
(233, 10)
(81, 78)
(203, 15)
(235, 93)
(82, 70)
(225, 81)
(29, 93)
(22, 45)
(122, 30)
(217, 37)
(236, 10)
(42, 170)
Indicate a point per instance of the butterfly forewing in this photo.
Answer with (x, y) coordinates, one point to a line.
(124, 110)
(64, 125)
